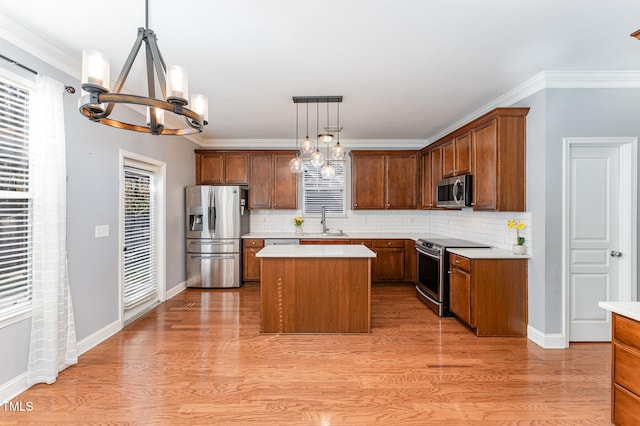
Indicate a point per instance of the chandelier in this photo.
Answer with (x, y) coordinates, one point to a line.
(305, 148)
(98, 102)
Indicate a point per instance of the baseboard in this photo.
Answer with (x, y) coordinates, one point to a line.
(98, 337)
(546, 341)
(174, 291)
(13, 388)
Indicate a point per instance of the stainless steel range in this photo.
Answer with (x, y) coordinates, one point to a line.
(433, 271)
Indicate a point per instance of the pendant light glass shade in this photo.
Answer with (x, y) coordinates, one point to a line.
(177, 85)
(325, 137)
(338, 152)
(307, 145)
(296, 165)
(200, 105)
(328, 171)
(317, 159)
(159, 117)
(95, 71)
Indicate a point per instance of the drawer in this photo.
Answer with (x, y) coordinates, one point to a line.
(626, 363)
(626, 331)
(388, 243)
(253, 243)
(459, 262)
(366, 243)
(626, 407)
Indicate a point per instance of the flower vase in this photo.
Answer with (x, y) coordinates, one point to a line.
(298, 229)
(519, 249)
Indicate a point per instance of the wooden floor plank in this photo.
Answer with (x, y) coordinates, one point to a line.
(199, 359)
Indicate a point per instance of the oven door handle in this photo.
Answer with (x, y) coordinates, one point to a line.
(432, 256)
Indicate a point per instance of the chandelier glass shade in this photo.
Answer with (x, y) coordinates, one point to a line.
(98, 102)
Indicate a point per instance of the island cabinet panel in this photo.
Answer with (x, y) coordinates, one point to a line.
(489, 295)
(625, 371)
(222, 168)
(271, 184)
(303, 295)
(251, 264)
(384, 179)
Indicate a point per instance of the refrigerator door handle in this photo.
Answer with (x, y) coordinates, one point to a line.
(213, 256)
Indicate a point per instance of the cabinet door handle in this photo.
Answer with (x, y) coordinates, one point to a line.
(457, 261)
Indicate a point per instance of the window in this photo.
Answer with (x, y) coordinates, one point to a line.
(318, 192)
(15, 201)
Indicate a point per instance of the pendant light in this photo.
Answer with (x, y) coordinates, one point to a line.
(296, 164)
(98, 102)
(327, 171)
(307, 144)
(317, 158)
(337, 151)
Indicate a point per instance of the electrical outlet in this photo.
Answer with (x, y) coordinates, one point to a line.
(101, 231)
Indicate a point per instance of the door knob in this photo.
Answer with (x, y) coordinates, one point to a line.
(615, 253)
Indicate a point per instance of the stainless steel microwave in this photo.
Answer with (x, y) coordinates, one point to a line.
(454, 192)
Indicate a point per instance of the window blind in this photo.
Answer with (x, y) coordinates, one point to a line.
(15, 201)
(140, 242)
(318, 192)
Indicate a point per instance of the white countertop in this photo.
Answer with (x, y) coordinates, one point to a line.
(316, 250)
(347, 236)
(627, 309)
(487, 253)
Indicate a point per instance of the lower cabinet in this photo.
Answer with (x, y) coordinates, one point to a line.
(489, 295)
(390, 260)
(251, 264)
(625, 371)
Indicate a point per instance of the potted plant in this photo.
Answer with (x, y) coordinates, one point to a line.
(518, 247)
(297, 221)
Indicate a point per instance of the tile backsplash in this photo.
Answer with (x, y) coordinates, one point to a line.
(484, 227)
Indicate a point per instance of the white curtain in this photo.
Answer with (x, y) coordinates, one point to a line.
(53, 336)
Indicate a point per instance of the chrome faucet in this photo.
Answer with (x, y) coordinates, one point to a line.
(323, 221)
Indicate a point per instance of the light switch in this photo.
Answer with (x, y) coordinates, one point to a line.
(102, 231)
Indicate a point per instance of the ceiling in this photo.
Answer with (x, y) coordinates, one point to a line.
(406, 69)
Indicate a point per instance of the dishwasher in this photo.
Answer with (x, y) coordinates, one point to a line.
(282, 241)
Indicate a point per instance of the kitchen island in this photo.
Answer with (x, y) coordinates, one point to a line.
(315, 288)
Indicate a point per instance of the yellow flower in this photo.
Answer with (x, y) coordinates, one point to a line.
(298, 220)
(518, 226)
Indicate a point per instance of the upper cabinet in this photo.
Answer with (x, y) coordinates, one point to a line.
(456, 156)
(384, 180)
(499, 160)
(221, 168)
(493, 149)
(272, 185)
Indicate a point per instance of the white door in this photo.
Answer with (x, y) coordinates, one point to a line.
(598, 216)
(141, 218)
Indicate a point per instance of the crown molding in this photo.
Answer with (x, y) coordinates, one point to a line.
(288, 144)
(550, 80)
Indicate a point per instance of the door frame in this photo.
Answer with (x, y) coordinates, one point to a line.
(159, 169)
(628, 214)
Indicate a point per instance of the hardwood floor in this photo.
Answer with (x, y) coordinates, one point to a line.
(198, 359)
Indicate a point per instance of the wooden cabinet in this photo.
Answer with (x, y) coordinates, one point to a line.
(489, 295)
(493, 149)
(272, 185)
(384, 180)
(250, 264)
(431, 173)
(222, 168)
(456, 156)
(625, 371)
(499, 161)
(390, 260)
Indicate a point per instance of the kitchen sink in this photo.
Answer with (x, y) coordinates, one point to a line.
(324, 234)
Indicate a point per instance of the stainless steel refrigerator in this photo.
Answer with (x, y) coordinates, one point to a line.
(216, 218)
